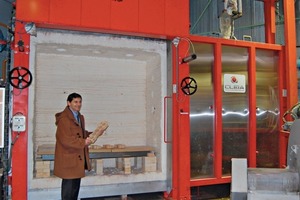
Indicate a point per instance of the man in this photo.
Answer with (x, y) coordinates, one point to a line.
(71, 149)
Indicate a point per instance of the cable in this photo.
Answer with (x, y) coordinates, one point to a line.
(190, 45)
(14, 140)
(176, 42)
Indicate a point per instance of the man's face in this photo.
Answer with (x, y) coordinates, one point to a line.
(75, 104)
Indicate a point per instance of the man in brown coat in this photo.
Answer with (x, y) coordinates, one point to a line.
(71, 149)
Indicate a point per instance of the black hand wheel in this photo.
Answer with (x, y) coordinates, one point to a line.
(188, 86)
(20, 77)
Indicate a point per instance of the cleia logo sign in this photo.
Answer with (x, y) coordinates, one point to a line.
(234, 83)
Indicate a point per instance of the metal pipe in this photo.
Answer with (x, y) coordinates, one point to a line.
(165, 120)
(240, 7)
(175, 43)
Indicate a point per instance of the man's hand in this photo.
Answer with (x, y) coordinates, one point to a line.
(88, 141)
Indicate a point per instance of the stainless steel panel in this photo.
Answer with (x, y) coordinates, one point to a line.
(267, 98)
(235, 108)
(202, 113)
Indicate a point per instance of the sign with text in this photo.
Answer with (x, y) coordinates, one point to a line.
(234, 83)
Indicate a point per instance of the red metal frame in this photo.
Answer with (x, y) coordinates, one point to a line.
(218, 111)
(252, 108)
(289, 71)
(181, 128)
(172, 19)
(270, 26)
(252, 47)
(20, 105)
(152, 18)
(290, 52)
(284, 135)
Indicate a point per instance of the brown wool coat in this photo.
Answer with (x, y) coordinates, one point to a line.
(71, 155)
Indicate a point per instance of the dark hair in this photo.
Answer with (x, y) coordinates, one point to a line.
(73, 96)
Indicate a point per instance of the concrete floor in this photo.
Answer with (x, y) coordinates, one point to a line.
(213, 192)
(157, 196)
(150, 196)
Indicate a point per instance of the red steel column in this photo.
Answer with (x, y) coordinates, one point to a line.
(252, 108)
(270, 21)
(181, 128)
(20, 105)
(290, 52)
(218, 128)
(283, 135)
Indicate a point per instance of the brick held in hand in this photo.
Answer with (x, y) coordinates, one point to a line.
(102, 126)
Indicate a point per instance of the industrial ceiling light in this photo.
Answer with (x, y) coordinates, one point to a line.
(189, 58)
(30, 28)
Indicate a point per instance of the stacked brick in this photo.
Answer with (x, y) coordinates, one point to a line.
(42, 169)
(149, 163)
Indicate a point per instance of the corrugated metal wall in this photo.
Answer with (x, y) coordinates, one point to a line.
(204, 19)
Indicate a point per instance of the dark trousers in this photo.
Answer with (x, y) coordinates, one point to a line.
(70, 189)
